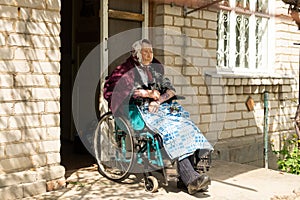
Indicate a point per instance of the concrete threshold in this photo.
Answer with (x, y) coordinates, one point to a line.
(230, 181)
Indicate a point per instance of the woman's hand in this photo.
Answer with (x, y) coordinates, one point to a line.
(154, 94)
(154, 106)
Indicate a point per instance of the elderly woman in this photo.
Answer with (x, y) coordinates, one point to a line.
(141, 79)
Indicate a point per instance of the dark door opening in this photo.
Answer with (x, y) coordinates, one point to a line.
(80, 33)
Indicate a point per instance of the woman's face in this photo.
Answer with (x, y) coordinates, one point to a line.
(147, 54)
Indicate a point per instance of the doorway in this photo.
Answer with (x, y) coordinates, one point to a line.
(83, 27)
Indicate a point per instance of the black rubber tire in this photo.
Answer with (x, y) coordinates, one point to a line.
(122, 170)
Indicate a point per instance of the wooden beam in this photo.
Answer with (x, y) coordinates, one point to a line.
(117, 14)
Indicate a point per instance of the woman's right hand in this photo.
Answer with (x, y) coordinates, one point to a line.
(154, 94)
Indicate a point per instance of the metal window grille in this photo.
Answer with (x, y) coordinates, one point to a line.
(243, 35)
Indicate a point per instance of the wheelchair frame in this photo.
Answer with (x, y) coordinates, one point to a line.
(129, 148)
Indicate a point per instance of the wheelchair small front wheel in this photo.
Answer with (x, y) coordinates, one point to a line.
(151, 184)
(114, 147)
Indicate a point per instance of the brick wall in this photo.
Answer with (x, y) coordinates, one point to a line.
(217, 103)
(29, 84)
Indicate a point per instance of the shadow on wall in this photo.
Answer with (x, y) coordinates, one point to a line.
(30, 119)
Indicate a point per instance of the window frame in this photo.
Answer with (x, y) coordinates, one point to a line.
(231, 53)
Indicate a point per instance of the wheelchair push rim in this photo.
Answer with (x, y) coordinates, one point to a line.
(114, 147)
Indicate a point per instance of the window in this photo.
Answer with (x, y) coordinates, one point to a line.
(243, 36)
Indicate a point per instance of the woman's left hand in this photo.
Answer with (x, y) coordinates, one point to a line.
(154, 106)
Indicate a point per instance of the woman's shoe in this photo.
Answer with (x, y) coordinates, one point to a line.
(199, 184)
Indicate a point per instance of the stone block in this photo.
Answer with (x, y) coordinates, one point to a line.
(45, 67)
(190, 71)
(2, 39)
(53, 158)
(24, 13)
(242, 123)
(191, 32)
(8, 12)
(13, 164)
(231, 98)
(20, 40)
(50, 120)
(178, 21)
(45, 16)
(3, 122)
(234, 116)
(8, 2)
(182, 80)
(251, 131)
(2, 152)
(45, 93)
(209, 34)
(6, 94)
(216, 126)
(6, 53)
(6, 25)
(31, 3)
(51, 172)
(35, 28)
(212, 25)
(198, 23)
(238, 132)
(202, 99)
(34, 134)
(49, 146)
(224, 135)
(216, 90)
(54, 55)
(54, 5)
(24, 121)
(30, 80)
(209, 15)
(197, 80)
(205, 109)
(20, 94)
(32, 189)
(29, 107)
(230, 125)
(39, 160)
(6, 80)
(212, 44)
(30, 54)
(52, 107)
(11, 193)
(21, 149)
(216, 99)
(173, 10)
(201, 61)
(222, 108)
(10, 136)
(14, 66)
(240, 107)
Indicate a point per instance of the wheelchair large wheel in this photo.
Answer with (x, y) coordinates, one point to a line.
(114, 147)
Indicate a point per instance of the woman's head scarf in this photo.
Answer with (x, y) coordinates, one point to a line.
(136, 49)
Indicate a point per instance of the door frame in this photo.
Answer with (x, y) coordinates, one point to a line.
(104, 15)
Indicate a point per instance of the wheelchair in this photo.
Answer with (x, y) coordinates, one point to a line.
(122, 149)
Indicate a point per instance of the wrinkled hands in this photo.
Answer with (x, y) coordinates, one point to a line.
(154, 94)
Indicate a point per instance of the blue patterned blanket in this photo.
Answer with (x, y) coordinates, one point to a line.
(181, 137)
